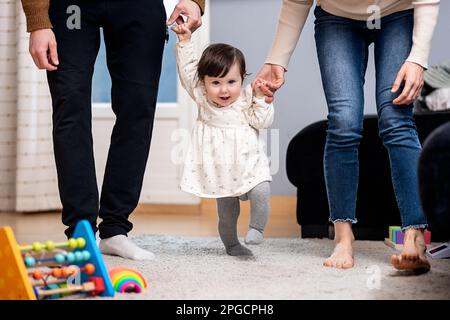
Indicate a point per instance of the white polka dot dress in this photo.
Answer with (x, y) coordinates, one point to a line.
(226, 156)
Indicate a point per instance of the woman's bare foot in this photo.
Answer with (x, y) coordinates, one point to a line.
(342, 256)
(413, 255)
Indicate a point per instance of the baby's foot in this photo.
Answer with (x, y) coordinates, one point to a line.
(254, 237)
(239, 250)
(413, 255)
(121, 246)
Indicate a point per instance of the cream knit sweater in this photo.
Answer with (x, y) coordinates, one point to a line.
(294, 13)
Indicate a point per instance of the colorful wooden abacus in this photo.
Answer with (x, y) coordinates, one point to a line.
(48, 270)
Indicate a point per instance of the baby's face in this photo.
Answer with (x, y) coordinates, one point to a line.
(224, 91)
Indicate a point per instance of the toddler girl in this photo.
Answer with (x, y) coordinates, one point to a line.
(226, 158)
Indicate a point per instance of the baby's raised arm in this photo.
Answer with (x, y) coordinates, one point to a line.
(186, 60)
(260, 114)
(183, 32)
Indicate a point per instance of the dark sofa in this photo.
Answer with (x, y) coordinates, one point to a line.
(434, 181)
(376, 208)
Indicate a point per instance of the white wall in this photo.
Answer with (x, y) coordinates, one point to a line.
(27, 170)
(8, 101)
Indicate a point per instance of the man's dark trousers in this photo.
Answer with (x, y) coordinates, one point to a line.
(134, 33)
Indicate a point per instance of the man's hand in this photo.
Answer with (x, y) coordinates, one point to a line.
(43, 49)
(272, 77)
(412, 74)
(191, 10)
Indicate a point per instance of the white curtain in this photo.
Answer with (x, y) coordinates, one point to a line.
(27, 167)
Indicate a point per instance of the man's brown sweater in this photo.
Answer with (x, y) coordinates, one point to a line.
(36, 12)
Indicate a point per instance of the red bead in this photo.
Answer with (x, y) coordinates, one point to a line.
(65, 271)
(72, 270)
(89, 268)
(56, 272)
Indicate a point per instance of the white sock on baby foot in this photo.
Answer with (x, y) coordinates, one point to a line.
(253, 237)
(123, 247)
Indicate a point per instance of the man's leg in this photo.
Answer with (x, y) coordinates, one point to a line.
(134, 38)
(70, 88)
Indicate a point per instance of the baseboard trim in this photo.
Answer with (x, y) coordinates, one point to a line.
(188, 209)
(280, 206)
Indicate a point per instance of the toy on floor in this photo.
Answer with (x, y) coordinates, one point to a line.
(396, 238)
(126, 280)
(52, 270)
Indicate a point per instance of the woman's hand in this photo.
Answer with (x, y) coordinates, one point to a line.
(272, 76)
(412, 74)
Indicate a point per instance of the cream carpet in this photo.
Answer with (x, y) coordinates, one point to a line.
(192, 268)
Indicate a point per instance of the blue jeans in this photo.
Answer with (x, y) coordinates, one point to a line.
(342, 49)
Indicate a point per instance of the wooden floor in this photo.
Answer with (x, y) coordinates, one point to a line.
(185, 220)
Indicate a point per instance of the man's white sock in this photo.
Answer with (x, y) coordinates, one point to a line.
(123, 247)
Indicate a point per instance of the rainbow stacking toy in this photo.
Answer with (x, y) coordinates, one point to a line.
(127, 280)
(52, 270)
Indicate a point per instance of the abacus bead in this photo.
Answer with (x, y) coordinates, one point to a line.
(78, 256)
(70, 256)
(89, 268)
(72, 270)
(37, 246)
(30, 261)
(81, 242)
(37, 274)
(72, 243)
(65, 271)
(50, 245)
(86, 255)
(56, 272)
(59, 258)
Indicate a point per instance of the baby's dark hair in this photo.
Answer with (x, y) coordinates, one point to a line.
(217, 60)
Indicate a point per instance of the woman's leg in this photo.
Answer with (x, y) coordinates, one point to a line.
(228, 210)
(259, 198)
(397, 129)
(342, 49)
